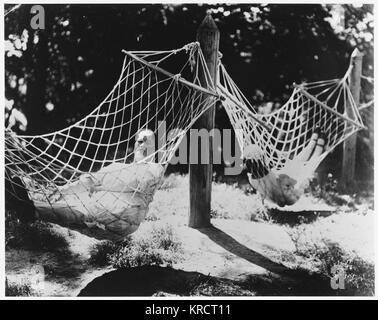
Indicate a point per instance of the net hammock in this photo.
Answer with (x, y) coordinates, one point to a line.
(290, 142)
(99, 175)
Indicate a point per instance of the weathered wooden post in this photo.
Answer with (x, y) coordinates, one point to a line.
(200, 175)
(349, 151)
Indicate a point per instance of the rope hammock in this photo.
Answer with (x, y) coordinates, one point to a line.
(99, 175)
(290, 142)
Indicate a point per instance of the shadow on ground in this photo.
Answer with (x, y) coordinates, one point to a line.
(159, 281)
(165, 281)
(280, 279)
(297, 217)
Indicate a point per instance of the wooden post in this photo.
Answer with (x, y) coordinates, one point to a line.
(349, 151)
(200, 175)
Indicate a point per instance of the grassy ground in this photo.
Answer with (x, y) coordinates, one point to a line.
(252, 249)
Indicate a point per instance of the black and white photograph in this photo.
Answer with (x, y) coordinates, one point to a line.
(188, 150)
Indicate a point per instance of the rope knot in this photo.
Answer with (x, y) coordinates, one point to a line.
(177, 77)
(191, 46)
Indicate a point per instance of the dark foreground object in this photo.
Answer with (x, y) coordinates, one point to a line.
(159, 281)
(165, 281)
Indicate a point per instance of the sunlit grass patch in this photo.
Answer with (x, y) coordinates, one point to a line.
(228, 201)
(338, 244)
(156, 245)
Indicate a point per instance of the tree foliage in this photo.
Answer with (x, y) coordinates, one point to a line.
(57, 75)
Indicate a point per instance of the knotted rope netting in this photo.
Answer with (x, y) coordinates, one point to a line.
(99, 174)
(281, 140)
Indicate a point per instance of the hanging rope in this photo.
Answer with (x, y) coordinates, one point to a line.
(295, 138)
(99, 174)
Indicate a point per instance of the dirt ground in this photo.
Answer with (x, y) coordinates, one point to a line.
(238, 255)
(232, 258)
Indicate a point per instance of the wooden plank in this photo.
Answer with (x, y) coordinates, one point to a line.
(347, 119)
(349, 147)
(170, 75)
(200, 175)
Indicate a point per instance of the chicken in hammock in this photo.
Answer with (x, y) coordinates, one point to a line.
(110, 203)
(286, 187)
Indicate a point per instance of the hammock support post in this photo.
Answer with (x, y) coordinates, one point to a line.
(200, 175)
(349, 146)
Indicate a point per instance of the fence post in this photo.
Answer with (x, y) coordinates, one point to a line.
(200, 175)
(349, 147)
